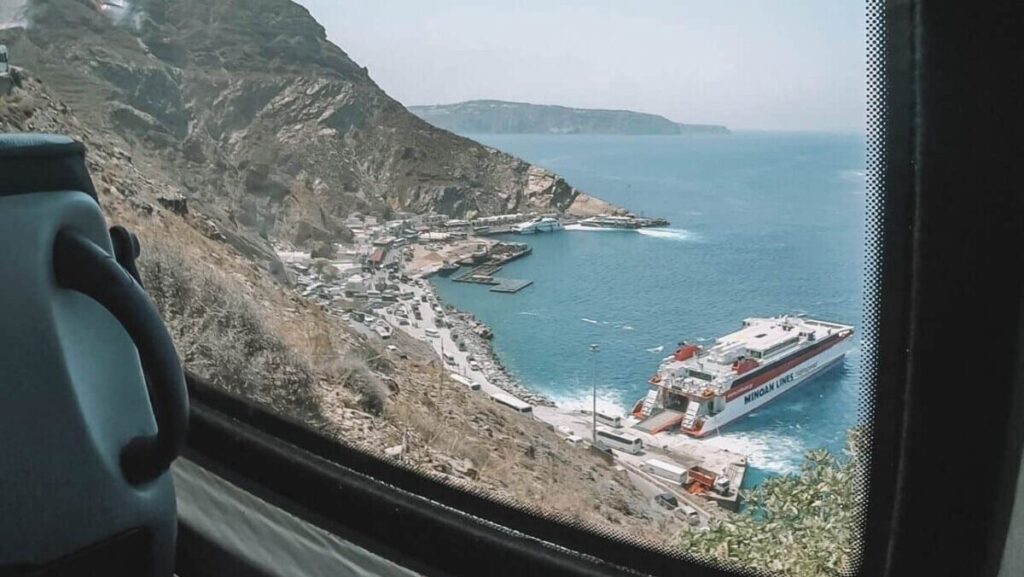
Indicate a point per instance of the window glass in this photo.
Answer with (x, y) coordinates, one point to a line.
(467, 235)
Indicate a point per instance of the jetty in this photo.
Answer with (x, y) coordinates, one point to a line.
(487, 265)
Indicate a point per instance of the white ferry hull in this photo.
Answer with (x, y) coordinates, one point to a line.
(765, 393)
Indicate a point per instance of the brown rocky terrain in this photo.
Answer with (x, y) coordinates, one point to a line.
(234, 323)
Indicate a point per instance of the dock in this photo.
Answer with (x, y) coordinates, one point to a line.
(491, 263)
(671, 447)
(484, 274)
(510, 285)
(660, 421)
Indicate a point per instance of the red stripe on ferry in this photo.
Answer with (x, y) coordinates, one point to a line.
(772, 373)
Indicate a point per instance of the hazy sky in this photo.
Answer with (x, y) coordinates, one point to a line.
(748, 64)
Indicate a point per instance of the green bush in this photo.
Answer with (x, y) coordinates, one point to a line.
(801, 525)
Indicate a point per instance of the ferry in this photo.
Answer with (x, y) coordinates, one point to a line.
(701, 390)
(545, 224)
(447, 268)
(612, 222)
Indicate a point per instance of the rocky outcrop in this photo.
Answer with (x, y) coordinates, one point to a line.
(265, 126)
(500, 117)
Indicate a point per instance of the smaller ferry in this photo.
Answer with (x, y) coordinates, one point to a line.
(700, 390)
(613, 222)
(544, 224)
(447, 268)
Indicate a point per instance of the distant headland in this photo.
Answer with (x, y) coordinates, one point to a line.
(500, 117)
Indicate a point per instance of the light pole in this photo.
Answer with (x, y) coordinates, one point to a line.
(593, 414)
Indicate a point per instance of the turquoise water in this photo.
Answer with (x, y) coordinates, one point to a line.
(762, 224)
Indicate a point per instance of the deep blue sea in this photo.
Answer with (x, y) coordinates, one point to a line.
(762, 224)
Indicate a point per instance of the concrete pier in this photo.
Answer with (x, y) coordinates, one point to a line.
(510, 285)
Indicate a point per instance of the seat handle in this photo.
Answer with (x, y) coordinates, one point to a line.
(82, 265)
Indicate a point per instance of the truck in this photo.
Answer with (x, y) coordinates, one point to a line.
(665, 470)
(707, 480)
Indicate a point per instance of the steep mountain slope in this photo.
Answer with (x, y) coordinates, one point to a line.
(236, 326)
(500, 117)
(274, 131)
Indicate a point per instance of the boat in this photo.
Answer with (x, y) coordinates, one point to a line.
(613, 222)
(447, 268)
(544, 224)
(702, 390)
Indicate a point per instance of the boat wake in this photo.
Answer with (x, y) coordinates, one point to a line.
(591, 321)
(528, 314)
(594, 229)
(852, 174)
(668, 233)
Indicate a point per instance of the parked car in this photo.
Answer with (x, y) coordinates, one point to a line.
(667, 500)
(688, 514)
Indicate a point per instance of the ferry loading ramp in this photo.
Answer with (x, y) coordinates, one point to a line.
(660, 421)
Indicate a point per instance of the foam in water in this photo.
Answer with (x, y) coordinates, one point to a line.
(593, 229)
(591, 321)
(608, 402)
(668, 233)
(852, 174)
(765, 450)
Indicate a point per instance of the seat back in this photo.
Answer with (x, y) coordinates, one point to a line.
(84, 445)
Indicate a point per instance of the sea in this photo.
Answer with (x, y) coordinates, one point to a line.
(762, 223)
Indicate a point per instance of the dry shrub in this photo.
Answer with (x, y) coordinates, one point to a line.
(16, 108)
(352, 371)
(221, 336)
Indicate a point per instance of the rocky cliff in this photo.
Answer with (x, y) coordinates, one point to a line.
(234, 325)
(500, 117)
(270, 129)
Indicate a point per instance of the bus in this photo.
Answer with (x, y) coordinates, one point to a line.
(471, 384)
(622, 441)
(610, 420)
(512, 402)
